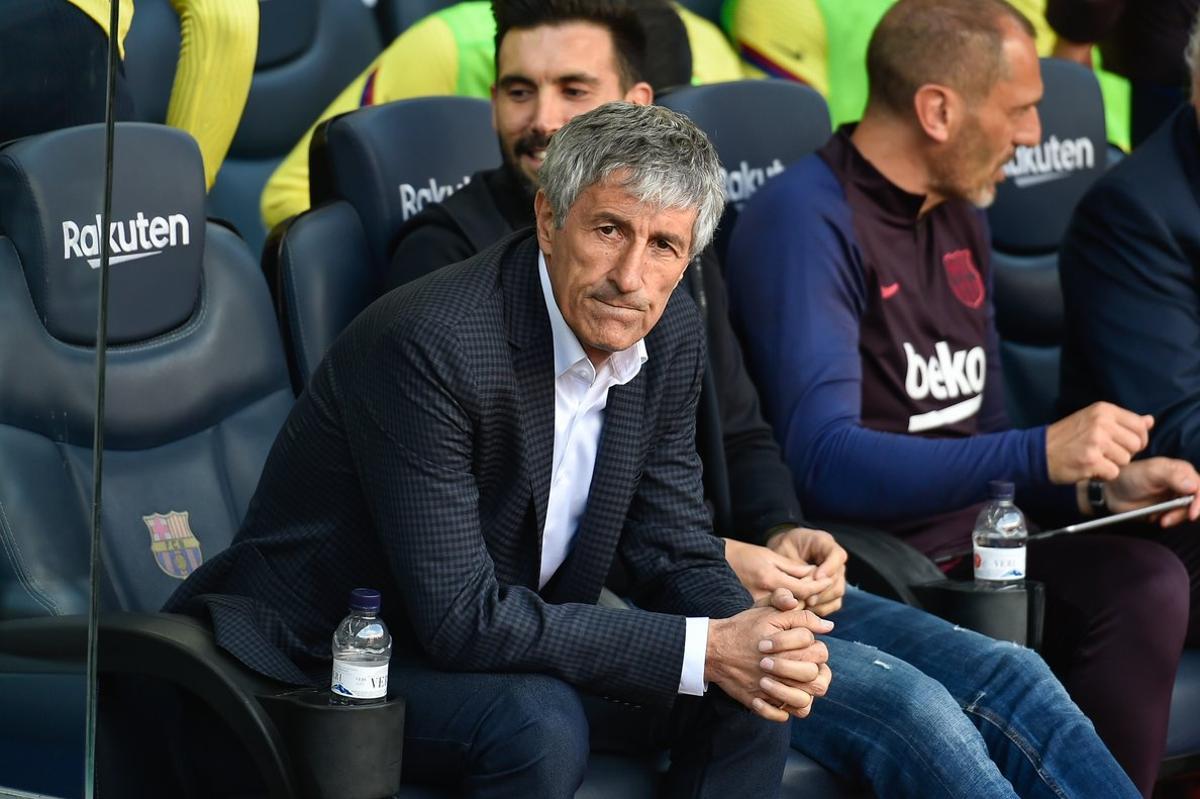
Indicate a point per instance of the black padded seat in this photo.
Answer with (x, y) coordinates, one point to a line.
(759, 127)
(308, 51)
(1028, 219)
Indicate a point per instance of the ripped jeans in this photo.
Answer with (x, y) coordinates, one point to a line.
(920, 708)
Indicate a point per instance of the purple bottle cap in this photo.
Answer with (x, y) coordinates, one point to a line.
(365, 599)
(1001, 489)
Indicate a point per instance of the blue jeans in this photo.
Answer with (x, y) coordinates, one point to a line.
(921, 708)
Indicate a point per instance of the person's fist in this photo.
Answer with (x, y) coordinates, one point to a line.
(1095, 443)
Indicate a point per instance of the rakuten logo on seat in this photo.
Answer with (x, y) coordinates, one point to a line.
(1053, 159)
(412, 199)
(140, 237)
(946, 375)
(741, 183)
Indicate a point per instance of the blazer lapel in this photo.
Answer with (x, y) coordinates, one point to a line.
(618, 464)
(533, 367)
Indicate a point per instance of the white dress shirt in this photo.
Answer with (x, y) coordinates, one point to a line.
(580, 396)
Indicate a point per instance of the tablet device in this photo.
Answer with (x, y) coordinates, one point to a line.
(1117, 518)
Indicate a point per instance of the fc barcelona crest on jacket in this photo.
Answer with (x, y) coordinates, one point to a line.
(175, 548)
(965, 280)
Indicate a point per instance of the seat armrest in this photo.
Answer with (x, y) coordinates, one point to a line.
(881, 563)
(179, 651)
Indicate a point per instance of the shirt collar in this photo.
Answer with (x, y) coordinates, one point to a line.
(568, 352)
(891, 200)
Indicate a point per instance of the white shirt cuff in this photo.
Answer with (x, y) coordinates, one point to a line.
(695, 644)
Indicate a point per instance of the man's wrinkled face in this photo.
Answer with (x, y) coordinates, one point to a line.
(973, 160)
(545, 76)
(613, 264)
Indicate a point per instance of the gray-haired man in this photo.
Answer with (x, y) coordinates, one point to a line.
(481, 445)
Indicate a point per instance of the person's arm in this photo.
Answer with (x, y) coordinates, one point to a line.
(1132, 314)
(429, 242)
(218, 43)
(762, 494)
(675, 563)
(420, 62)
(797, 294)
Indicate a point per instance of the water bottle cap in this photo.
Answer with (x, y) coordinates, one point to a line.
(364, 599)
(1001, 489)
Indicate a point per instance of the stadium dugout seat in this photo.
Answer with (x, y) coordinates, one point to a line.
(759, 128)
(397, 15)
(197, 387)
(710, 9)
(1028, 220)
(308, 51)
(372, 169)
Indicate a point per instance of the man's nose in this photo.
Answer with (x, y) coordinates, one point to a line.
(550, 114)
(1029, 133)
(629, 271)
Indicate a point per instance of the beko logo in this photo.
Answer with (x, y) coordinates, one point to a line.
(741, 183)
(412, 199)
(946, 375)
(140, 237)
(1053, 159)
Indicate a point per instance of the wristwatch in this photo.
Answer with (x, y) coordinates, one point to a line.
(1097, 496)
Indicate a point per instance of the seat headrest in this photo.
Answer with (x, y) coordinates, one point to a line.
(759, 127)
(1043, 184)
(388, 161)
(285, 31)
(51, 198)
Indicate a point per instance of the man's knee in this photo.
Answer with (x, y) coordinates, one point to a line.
(536, 726)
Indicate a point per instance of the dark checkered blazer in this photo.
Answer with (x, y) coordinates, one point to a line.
(418, 462)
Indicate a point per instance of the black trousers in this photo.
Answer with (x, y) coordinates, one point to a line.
(507, 735)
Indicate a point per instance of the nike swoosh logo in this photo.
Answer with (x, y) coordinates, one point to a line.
(889, 291)
(120, 259)
(790, 52)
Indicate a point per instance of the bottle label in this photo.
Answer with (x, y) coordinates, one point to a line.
(360, 682)
(999, 563)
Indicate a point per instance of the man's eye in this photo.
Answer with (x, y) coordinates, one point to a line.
(607, 230)
(575, 94)
(519, 94)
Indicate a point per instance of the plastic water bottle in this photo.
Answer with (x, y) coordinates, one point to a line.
(1000, 537)
(362, 647)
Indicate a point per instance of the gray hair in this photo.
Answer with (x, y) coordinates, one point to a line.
(670, 163)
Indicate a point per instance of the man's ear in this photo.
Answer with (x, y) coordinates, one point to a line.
(493, 93)
(640, 93)
(938, 109)
(544, 215)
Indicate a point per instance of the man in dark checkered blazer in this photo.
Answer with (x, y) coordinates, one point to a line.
(482, 445)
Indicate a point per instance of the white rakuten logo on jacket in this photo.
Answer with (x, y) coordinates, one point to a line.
(946, 375)
(413, 199)
(1053, 159)
(140, 237)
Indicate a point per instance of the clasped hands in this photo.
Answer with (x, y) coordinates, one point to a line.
(768, 657)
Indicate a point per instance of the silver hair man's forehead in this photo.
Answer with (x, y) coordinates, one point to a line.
(665, 161)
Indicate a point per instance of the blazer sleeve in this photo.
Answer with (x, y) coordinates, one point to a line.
(410, 424)
(1133, 314)
(676, 563)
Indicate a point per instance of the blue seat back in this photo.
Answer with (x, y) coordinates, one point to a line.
(1028, 219)
(196, 386)
(759, 128)
(308, 51)
(371, 170)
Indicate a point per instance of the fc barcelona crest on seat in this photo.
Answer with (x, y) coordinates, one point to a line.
(175, 548)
